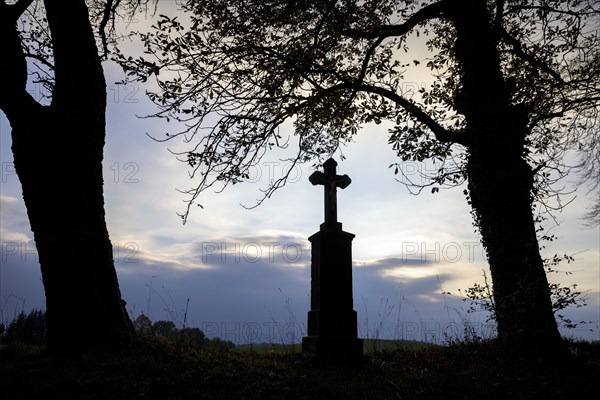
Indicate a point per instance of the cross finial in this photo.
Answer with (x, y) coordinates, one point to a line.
(331, 182)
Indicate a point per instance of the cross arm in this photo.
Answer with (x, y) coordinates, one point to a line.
(343, 181)
(318, 178)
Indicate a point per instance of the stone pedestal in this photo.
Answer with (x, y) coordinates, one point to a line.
(332, 321)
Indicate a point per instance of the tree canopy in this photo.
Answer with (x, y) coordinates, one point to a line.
(233, 72)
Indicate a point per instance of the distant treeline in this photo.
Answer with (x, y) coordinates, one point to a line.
(25, 328)
(31, 329)
(186, 336)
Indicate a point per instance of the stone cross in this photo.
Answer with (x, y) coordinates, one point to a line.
(332, 329)
(331, 182)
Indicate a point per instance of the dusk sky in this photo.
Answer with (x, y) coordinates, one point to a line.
(246, 272)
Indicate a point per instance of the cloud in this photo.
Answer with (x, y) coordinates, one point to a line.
(21, 286)
(230, 294)
(13, 218)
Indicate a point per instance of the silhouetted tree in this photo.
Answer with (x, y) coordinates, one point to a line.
(58, 151)
(220, 344)
(164, 328)
(183, 338)
(27, 328)
(193, 337)
(513, 83)
(143, 325)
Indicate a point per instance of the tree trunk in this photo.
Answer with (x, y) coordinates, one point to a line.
(500, 184)
(58, 151)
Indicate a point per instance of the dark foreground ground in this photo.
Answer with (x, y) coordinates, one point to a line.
(152, 370)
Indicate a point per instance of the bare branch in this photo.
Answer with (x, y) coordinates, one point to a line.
(442, 134)
(109, 11)
(41, 59)
(520, 52)
(431, 11)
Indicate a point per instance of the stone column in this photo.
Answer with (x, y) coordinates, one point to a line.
(332, 321)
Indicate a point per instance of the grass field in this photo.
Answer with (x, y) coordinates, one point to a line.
(370, 346)
(153, 370)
